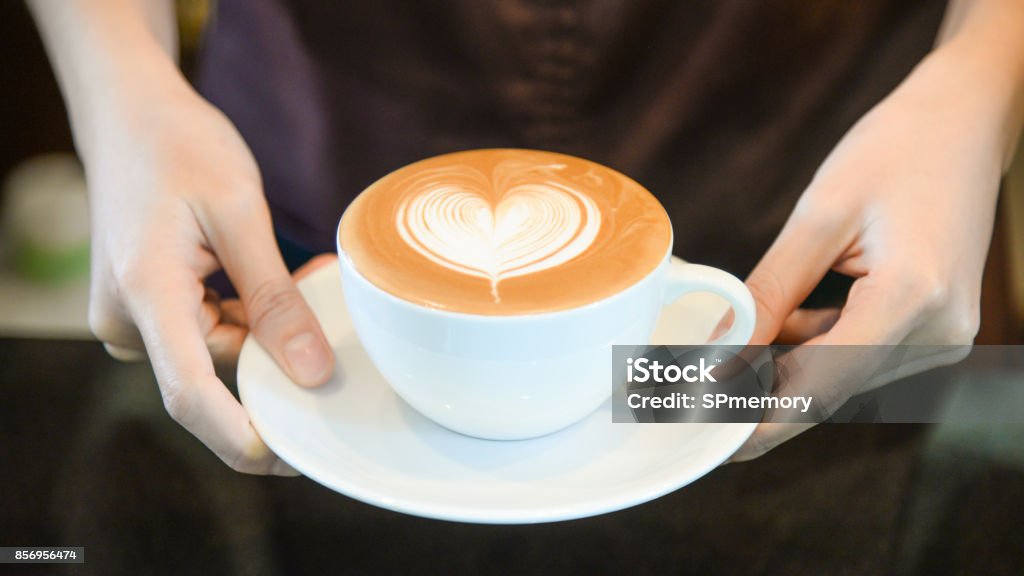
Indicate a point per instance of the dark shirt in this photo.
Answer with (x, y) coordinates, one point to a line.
(722, 108)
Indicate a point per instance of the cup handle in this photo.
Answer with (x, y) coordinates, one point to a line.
(684, 278)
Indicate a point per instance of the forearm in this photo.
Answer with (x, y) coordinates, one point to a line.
(985, 39)
(111, 58)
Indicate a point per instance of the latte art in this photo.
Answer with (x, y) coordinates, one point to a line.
(533, 226)
(504, 231)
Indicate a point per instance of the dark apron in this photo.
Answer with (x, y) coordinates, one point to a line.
(722, 108)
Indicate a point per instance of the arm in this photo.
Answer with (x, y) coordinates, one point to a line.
(987, 36)
(174, 195)
(110, 56)
(905, 204)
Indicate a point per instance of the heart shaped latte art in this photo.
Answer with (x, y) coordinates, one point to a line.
(533, 225)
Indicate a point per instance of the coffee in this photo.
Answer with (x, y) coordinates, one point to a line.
(505, 231)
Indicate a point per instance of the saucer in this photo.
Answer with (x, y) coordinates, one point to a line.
(355, 436)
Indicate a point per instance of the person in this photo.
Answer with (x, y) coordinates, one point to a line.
(723, 109)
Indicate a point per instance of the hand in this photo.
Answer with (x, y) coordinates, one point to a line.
(905, 204)
(176, 195)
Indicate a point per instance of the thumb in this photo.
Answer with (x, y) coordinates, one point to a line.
(277, 314)
(798, 259)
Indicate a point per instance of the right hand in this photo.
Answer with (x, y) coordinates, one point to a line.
(175, 195)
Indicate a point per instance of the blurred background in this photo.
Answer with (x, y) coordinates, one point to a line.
(90, 459)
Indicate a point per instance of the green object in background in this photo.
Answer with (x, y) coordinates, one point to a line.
(46, 219)
(50, 266)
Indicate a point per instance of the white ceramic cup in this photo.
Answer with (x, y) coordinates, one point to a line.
(521, 376)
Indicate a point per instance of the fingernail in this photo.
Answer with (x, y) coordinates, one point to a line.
(308, 358)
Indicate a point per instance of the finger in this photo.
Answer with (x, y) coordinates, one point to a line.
(804, 324)
(225, 344)
(796, 262)
(121, 338)
(883, 310)
(277, 314)
(225, 341)
(167, 307)
(837, 364)
(112, 325)
(315, 263)
(723, 325)
(878, 311)
(828, 375)
(210, 294)
(232, 312)
(209, 316)
(125, 354)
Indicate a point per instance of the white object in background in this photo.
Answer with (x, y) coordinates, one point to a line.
(45, 227)
(45, 203)
(356, 436)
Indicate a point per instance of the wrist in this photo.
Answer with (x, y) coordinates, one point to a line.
(123, 104)
(985, 59)
(983, 97)
(112, 58)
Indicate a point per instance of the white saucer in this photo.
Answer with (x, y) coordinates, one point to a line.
(355, 436)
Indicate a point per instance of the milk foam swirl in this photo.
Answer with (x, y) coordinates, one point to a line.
(519, 220)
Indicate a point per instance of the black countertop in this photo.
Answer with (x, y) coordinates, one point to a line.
(90, 459)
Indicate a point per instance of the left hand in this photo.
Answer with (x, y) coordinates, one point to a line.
(905, 204)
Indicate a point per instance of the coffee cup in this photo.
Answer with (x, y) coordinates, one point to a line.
(512, 350)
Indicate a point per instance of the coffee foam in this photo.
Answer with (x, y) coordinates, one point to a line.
(504, 232)
(530, 227)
